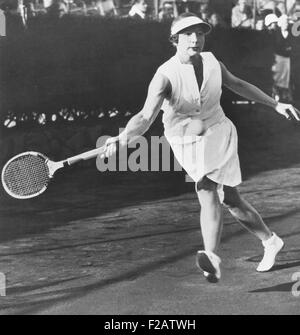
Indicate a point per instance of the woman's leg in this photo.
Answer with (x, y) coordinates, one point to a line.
(250, 219)
(211, 215)
(211, 221)
(243, 212)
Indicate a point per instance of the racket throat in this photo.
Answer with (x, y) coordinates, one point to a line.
(54, 166)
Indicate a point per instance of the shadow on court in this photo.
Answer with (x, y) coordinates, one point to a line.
(286, 287)
(82, 194)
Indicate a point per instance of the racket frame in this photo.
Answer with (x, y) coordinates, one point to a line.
(22, 197)
(51, 166)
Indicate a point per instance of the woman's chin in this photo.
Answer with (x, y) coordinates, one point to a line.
(193, 53)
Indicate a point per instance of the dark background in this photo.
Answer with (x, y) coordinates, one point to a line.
(88, 66)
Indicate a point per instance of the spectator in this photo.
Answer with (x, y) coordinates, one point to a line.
(2, 24)
(106, 8)
(139, 10)
(216, 21)
(294, 10)
(204, 12)
(77, 7)
(205, 16)
(30, 10)
(167, 12)
(270, 7)
(271, 22)
(57, 9)
(260, 25)
(282, 66)
(203, 7)
(15, 17)
(223, 8)
(241, 15)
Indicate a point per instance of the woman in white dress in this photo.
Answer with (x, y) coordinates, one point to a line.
(188, 89)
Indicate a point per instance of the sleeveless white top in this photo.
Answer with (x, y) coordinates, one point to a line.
(187, 102)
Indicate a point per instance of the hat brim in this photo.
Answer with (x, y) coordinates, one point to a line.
(271, 18)
(189, 22)
(270, 22)
(206, 28)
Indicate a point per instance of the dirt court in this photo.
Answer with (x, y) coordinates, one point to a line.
(84, 253)
(125, 243)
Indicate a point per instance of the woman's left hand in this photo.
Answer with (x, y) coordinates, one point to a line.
(288, 111)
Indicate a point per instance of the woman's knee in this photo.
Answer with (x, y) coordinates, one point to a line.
(206, 185)
(206, 191)
(232, 198)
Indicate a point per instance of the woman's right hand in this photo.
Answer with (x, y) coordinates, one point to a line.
(110, 147)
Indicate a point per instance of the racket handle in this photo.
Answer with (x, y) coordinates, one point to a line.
(84, 156)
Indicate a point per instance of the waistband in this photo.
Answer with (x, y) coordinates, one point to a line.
(175, 134)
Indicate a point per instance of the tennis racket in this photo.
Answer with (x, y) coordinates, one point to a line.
(27, 175)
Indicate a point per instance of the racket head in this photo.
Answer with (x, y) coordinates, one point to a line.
(26, 175)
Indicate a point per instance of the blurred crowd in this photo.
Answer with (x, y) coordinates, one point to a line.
(274, 16)
(249, 14)
(257, 14)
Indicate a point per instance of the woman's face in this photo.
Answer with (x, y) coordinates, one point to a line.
(191, 41)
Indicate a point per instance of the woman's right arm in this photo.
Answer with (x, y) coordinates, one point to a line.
(140, 123)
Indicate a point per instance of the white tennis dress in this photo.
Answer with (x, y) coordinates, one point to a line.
(213, 154)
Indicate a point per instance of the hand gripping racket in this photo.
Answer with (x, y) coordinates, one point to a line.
(28, 175)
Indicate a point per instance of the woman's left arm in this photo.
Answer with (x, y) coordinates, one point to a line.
(253, 93)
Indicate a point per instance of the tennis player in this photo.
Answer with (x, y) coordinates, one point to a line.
(188, 89)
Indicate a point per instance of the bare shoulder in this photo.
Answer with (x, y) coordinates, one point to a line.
(223, 68)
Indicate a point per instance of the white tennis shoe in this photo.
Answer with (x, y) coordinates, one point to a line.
(209, 263)
(272, 247)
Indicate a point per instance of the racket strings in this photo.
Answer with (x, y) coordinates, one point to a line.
(26, 175)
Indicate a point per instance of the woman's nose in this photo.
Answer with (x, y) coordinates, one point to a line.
(193, 37)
